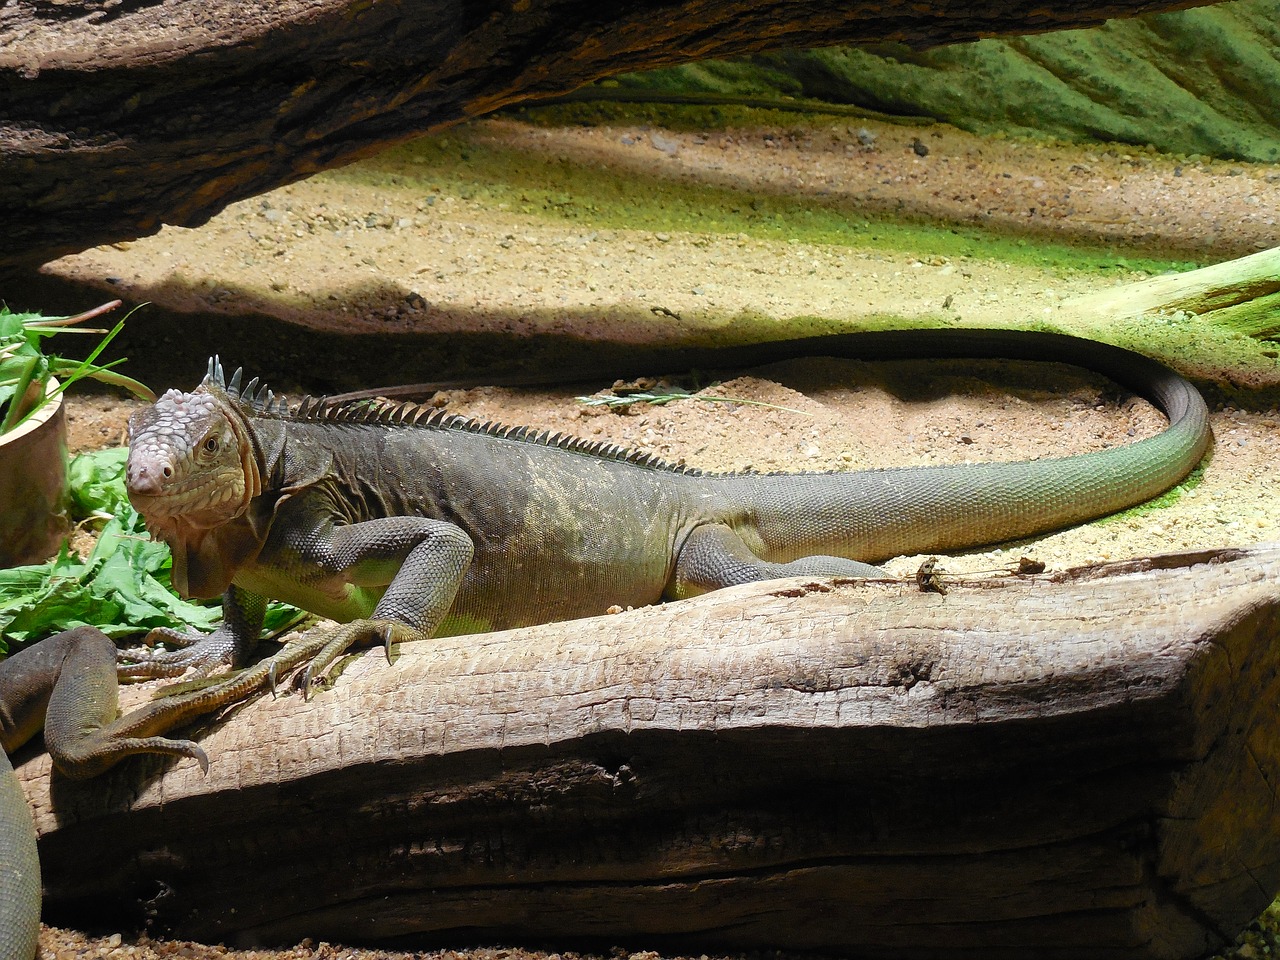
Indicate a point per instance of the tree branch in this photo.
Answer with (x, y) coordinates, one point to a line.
(119, 116)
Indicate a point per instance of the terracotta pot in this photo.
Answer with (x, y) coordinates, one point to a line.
(33, 486)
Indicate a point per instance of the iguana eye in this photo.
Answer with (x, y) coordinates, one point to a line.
(211, 445)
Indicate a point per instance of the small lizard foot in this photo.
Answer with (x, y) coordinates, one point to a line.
(201, 652)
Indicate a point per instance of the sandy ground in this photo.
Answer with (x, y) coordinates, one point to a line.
(343, 252)
(387, 247)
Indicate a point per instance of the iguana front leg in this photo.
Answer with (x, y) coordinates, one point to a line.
(421, 561)
(415, 564)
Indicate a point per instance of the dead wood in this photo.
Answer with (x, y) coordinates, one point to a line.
(119, 116)
(1243, 294)
(1080, 765)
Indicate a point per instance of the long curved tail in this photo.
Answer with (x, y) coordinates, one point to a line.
(873, 515)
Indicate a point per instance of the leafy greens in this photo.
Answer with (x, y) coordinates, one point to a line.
(25, 368)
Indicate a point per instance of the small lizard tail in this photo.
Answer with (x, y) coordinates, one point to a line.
(877, 514)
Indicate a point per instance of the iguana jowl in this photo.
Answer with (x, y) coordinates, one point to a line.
(405, 523)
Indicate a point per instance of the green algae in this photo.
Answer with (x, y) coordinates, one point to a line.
(1203, 81)
(465, 164)
(1232, 362)
(1259, 317)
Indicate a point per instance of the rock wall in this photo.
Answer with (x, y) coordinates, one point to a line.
(1203, 81)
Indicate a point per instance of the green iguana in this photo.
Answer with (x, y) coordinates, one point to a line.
(408, 523)
(67, 684)
(405, 523)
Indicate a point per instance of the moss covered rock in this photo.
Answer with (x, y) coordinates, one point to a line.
(1203, 81)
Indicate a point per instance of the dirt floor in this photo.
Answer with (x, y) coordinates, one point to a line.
(390, 248)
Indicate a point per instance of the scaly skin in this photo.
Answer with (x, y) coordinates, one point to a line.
(67, 684)
(407, 524)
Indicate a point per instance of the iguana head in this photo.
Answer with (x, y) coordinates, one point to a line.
(191, 472)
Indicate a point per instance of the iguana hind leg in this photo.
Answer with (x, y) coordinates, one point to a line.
(67, 684)
(714, 556)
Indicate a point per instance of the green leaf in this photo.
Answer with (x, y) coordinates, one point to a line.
(23, 360)
(14, 324)
(96, 482)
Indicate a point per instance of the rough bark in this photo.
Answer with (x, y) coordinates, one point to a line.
(1081, 765)
(119, 116)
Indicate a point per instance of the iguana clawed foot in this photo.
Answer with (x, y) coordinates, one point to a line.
(201, 652)
(357, 633)
(206, 653)
(104, 748)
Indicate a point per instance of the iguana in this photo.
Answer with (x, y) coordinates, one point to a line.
(405, 522)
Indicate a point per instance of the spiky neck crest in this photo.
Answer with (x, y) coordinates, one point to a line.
(253, 400)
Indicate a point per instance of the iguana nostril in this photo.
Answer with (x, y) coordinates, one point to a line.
(140, 478)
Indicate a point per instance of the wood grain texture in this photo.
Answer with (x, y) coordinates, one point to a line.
(117, 117)
(1080, 765)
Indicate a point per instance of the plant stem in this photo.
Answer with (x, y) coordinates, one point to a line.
(15, 414)
(78, 318)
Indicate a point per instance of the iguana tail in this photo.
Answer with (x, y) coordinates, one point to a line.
(877, 514)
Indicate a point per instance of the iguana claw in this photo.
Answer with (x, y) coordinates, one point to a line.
(355, 633)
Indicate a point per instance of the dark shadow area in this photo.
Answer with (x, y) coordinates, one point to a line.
(171, 348)
(167, 347)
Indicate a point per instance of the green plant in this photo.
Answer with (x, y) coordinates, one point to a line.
(25, 368)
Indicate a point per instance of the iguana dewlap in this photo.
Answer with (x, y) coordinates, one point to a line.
(407, 523)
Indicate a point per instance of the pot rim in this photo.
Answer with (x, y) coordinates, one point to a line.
(38, 419)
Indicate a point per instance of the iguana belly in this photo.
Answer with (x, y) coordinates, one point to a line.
(500, 591)
(333, 597)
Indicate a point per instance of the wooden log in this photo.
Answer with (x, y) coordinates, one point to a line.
(1073, 765)
(116, 118)
(1243, 294)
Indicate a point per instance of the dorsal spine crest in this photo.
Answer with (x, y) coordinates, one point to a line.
(256, 400)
